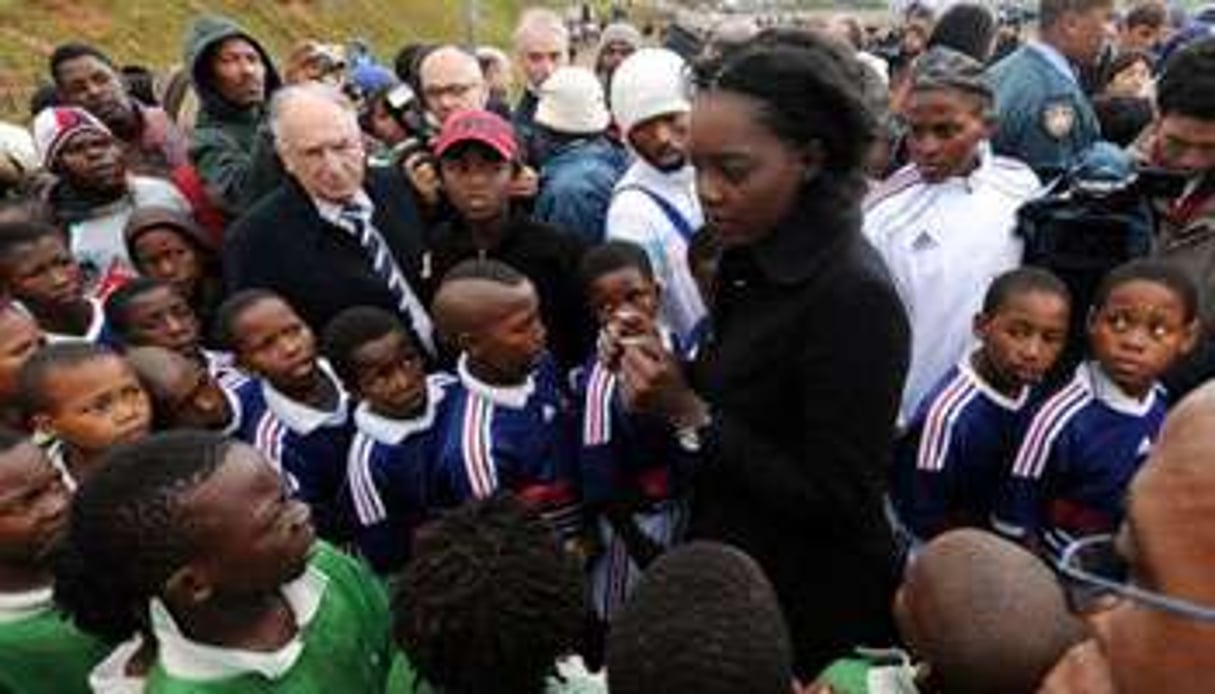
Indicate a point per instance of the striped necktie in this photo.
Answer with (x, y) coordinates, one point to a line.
(385, 266)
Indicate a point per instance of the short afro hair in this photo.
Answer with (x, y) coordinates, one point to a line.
(703, 620)
(353, 328)
(1186, 86)
(35, 372)
(72, 51)
(230, 311)
(1022, 280)
(1155, 271)
(125, 534)
(118, 303)
(611, 256)
(489, 601)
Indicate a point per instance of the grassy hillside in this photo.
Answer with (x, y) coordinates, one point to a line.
(149, 32)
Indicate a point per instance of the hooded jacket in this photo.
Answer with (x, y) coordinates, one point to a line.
(231, 146)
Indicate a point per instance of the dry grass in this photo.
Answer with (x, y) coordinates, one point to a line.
(149, 32)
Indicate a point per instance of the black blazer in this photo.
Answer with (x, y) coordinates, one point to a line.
(284, 245)
(803, 375)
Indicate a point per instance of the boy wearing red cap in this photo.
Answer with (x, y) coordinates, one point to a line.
(478, 157)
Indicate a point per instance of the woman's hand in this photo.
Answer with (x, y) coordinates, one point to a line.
(652, 382)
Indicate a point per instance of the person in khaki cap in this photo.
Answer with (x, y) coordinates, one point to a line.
(578, 163)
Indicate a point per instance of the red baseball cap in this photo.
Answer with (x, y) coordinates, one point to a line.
(485, 127)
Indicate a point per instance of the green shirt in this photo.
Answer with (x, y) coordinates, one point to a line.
(43, 652)
(346, 643)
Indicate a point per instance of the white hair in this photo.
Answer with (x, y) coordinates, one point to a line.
(285, 97)
(539, 19)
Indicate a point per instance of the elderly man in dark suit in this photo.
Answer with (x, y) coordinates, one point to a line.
(336, 234)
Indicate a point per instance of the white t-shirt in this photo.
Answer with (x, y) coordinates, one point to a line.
(944, 243)
(98, 243)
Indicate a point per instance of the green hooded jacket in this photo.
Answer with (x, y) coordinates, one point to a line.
(231, 146)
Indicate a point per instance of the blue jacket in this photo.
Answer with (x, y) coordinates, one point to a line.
(576, 186)
(1044, 117)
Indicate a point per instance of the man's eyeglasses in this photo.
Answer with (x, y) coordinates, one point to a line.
(1096, 576)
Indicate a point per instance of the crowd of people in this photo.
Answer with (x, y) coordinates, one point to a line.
(803, 357)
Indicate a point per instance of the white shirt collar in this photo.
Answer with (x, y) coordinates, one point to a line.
(1011, 404)
(15, 607)
(1109, 393)
(301, 418)
(332, 212)
(514, 397)
(393, 431)
(91, 334)
(110, 675)
(58, 458)
(191, 660)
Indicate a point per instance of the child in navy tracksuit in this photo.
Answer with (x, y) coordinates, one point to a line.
(294, 410)
(635, 473)
(395, 437)
(1086, 442)
(506, 425)
(951, 459)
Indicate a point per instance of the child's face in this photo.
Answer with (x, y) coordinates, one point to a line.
(1025, 336)
(1139, 332)
(194, 399)
(33, 505)
(511, 346)
(272, 342)
(164, 254)
(390, 377)
(161, 318)
(19, 339)
(477, 182)
(249, 536)
(1133, 80)
(944, 129)
(95, 404)
(625, 301)
(43, 274)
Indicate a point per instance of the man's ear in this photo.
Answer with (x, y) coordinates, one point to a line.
(1192, 331)
(978, 326)
(188, 586)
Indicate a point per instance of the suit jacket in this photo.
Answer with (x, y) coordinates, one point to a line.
(284, 245)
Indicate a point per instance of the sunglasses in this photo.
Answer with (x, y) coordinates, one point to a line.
(1095, 577)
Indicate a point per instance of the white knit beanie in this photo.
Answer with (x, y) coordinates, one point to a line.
(572, 102)
(652, 82)
(55, 125)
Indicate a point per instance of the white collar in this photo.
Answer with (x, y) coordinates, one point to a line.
(390, 431)
(187, 659)
(234, 405)
(1109, 393)
(91, 334)
(15, 607)
(301, 418)
(514, 397)
(1000, 399)
(332, 211)
(110, 675)
(58, 460)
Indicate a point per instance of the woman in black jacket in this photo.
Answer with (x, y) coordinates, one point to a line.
(795, 396)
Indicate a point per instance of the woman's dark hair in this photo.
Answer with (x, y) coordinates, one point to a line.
(125, 534)
(489, 601)
(966, 28)
(1187, 85)
(807, 88)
